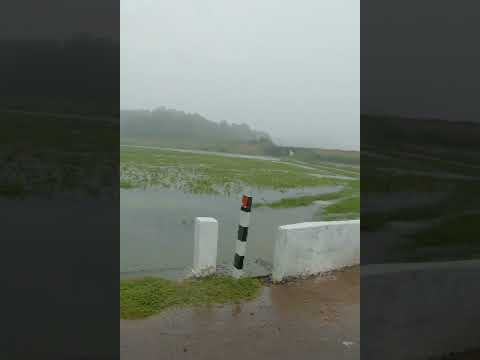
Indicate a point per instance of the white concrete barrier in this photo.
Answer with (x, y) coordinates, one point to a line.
(205, 246)
(314, 247)
(419, 310)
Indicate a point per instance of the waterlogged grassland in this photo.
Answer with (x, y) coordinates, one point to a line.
(144, 297)
(48, 153)
(347, 206)
(421, 188)
(202, 173)
(446, 223)
(216, 174)
(340, 205)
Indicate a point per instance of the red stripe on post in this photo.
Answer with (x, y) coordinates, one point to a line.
(246, 203)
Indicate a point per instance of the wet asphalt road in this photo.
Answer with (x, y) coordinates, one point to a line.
(316, 318)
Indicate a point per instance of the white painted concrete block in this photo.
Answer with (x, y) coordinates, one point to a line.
(314, 247)
(205, 247)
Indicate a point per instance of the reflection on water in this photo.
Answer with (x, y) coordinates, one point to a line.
(157, 225)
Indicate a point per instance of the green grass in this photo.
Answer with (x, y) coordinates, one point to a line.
(352, 189)
(215, 174)
(205, 173)
(298, 201)
(125, 184)
(302, 200)
(344, 206)
(144, 297)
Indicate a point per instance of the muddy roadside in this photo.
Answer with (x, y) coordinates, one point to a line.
(312, 318)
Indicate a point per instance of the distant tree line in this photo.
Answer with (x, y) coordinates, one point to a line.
(174, 128)
(169, 125)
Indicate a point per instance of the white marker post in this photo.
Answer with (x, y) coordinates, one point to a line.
(205, 247)
(241, 245)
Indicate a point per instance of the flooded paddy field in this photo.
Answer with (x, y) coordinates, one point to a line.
(420, 218)
(164, 190)
(420, 198)
(46, 154)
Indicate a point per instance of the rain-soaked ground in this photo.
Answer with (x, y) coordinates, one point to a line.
(315, 318)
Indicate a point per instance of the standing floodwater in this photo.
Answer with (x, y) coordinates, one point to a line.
(157, 225)
(164, 190)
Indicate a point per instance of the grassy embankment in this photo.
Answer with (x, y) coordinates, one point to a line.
(140, 298)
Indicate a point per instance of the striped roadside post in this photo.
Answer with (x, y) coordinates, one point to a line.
(241, 245)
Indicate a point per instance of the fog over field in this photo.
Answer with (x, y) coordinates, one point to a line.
(290, 69)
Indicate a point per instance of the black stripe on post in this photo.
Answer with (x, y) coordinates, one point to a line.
(242, 233)
(242, 236)
(238, 261)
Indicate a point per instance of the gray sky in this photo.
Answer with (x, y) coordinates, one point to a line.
(291, 68)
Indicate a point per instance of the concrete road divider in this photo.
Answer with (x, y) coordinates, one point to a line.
(313, 247)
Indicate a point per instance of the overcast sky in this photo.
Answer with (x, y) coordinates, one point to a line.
(291, 68)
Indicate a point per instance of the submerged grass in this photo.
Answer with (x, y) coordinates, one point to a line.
(297, 201)
(140, 298)
(346, 202)
(310, 199)
(209, 173)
